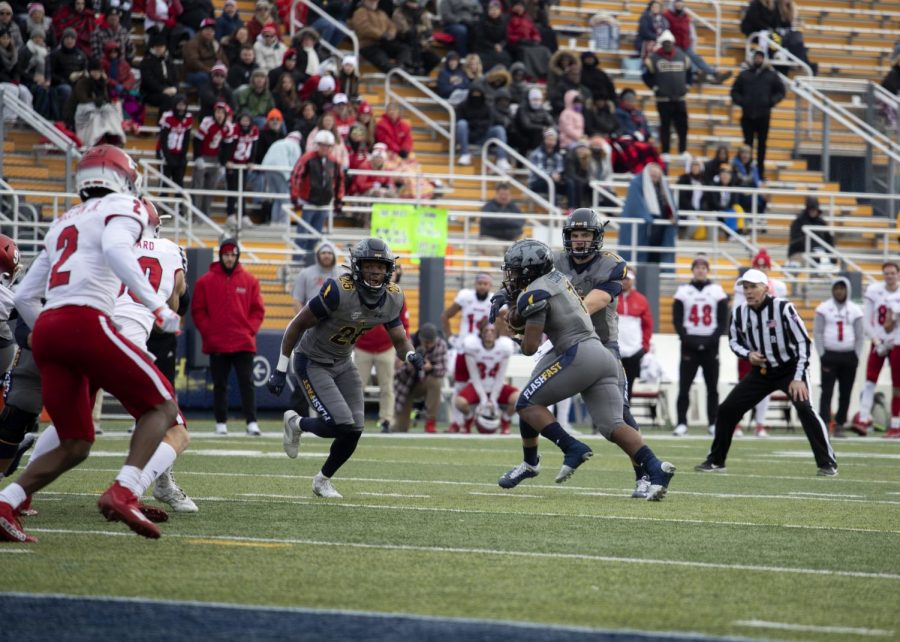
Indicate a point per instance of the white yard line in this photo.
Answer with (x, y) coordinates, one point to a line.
(694, 564)
(837, 630)
(15, 551)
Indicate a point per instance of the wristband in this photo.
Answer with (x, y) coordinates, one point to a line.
(283, 363)
(409, 355)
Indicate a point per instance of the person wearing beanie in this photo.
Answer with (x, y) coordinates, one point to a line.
(37, 19)
(228, 310)
(269, 49)
(489, 37)
(271, 132)
(685, 39)
(201, 53)
(218, 90)
(159, 79)
(229, 21)
(90, 110)
(666, 74)
(256, 98)
(348, 78)
(112, 31)
(756, 90)
(452, 78)
(175, 139)
(700, 315)
(288, 66)
(240, 70)
(67, 64)
(77, 16)
(240, 151)
(532, 120)
(811, 215)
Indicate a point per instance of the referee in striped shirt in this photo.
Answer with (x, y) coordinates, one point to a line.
(770, 334)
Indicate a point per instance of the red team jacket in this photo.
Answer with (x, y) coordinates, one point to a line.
(377, 339)
(228, 309)
(634, 304)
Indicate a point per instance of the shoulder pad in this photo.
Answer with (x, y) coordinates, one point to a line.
(331, 295)
(532, 302)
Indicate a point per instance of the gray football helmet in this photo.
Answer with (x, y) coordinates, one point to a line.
(524, 262)
(584, 218)
(371, 249)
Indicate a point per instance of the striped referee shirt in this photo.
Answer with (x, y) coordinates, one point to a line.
(774, 330)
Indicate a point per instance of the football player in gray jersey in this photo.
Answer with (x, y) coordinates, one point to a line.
(597, 277)
(543, 301)
(323, 334)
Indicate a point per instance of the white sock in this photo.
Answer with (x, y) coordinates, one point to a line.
(13, 495)
(562, 413)
(456, 415)
(761, 409)
(159, 463)
(130, 478)
(895, 422)
(866, 400)
(46, 441)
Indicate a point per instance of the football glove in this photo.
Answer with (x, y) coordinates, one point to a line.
(276, 382)
(416, 360)
(167, 320)
(497, 302)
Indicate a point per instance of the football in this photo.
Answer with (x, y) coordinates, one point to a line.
(516, 322)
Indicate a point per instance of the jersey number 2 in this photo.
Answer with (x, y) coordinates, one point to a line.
(151, 266)
(68, 243)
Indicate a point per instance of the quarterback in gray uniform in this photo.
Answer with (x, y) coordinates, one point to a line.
(323, 333)
(597, 277)
(544, 301)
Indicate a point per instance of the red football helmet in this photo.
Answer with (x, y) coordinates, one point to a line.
(152, 216)
(9, 260)
(107, 167)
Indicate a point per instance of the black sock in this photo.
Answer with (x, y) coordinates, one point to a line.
(638, 472)
(317, 427)
(531, 455)
(555, 433)
(341, 450)
(647, 459)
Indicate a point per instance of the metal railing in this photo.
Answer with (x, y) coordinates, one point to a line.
(715, 28)
(450, 134)
(347, 31)
(548, 203)
(761, 40)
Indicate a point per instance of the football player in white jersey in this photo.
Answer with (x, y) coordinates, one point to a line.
(88, 254)
(777, 288)
(487, 400)
(879, 325)
(700, 314)
(9, 270)
(473, 306)
(838, 338)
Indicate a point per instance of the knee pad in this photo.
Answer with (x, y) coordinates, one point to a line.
(527, 431)
(14, 423)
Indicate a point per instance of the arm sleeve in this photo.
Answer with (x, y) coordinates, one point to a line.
(794, 326)
(475, 376)
(118, 241)
(721, 317)
(860, 338)
(868, 311)
(736, 339)
(678, 317)
(31, 289)
(819, 334)
(646, 326)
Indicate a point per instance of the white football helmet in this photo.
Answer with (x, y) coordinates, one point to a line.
(487, 419)
(107, 167)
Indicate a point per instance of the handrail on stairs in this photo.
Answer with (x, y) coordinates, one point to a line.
(761, 40)
(549, 203)
(449, 134)
(347, 31)
(716, 28)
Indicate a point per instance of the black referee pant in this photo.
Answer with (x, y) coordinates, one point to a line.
(837, 367)
(692, 358)
(750, 391)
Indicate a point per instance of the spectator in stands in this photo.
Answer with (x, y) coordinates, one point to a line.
(36, 19)
(12, 62)
(340, 10)
(256, 97)
(228, 310)
(548, 158)
(571, 120)
(891, 82)
(494, 80)
(268, 135)
(209, 153)
(724, 201)
(635, 328)
(600, 119)
(195, 13)
(307, 56)
(559, 62)
(374, 185)
(518, 88)
(746, 174)
(123, 86)
(357, 147)
(239, 72)
(459, 19)
(377, 35)
(233, 44)
(365, 119)
(811, 215)
(91, 111)
(452, 79)
(681, 26)
(667, 75)
(161, 18)
(583, 165)
(532, 120)
(159, 80)
(756, 90)
(67, 64)
(632, 121)
(375, 349)
(283, 153)
(394, 132)
(778, 19)
(504, 229)
(328, 123)
(112, 31)
(269, 49)
(570, 80)
(473, 68)
(77, 16)
(650, 199)
(34, 72)
(475, 124)
(326, 88)
(240, 150)
(317, 184)
(217, 91)
(524, 41)
(601, 86)
(692, 199)
(344, 116)
(712, 166)
(651, 26)
(414, 28)
(262, 16)
(288, 66)
(307, 122)
(201, 53)
(490, 37)
(175, 139)
(411, 386)
(229, 21)
(761, 15)
(348, 78)
(287, 101)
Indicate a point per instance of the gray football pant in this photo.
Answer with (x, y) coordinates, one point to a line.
(333, 391)
(587, 368)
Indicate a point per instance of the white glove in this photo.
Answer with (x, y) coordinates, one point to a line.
(167, 320)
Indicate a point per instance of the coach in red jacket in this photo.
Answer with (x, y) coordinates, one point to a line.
(317, 185)
(635, 328)
(228, 311)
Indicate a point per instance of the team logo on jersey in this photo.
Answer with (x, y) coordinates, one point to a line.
(536, 383)
(356, 315)
(327, 290)
(314, 401)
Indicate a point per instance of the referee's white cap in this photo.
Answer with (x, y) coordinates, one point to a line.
(753, 276)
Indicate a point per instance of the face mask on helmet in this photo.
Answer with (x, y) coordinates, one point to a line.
(372, 266)
(524, 262)
(487, 419)
(583, 219)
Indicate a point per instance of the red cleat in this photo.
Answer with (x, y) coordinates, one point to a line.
(504, 426)
(860, 427)
(893, 433)
(454, 427)
(467, 428)
(154, 514)
(430, 426)
(10, 528)
(119, 504)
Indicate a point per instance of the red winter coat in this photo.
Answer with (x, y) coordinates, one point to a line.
(521, 28)
(396, 134)
(227, 309)
(635, 304)
(680, 26)
(377, 340)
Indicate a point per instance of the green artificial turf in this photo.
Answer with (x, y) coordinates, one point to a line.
(423, 528)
